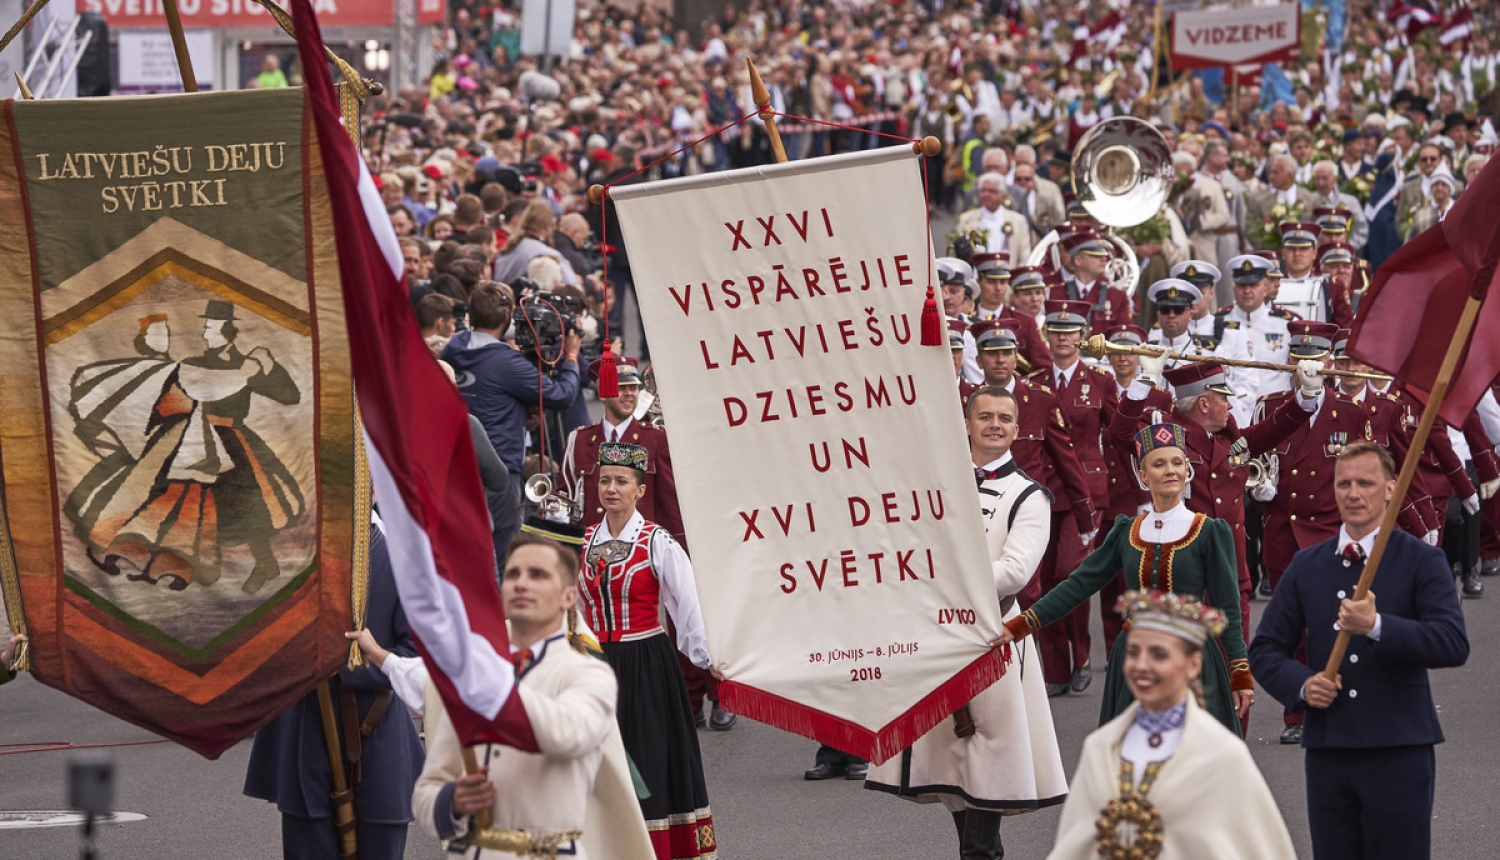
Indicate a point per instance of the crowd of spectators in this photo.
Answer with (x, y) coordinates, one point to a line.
(484, 167)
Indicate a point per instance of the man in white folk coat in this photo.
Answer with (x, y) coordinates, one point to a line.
(998, 756)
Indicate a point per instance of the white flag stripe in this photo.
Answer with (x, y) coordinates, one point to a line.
(433, 606)
(380, 223)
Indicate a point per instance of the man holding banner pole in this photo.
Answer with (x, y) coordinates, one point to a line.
(998, 756)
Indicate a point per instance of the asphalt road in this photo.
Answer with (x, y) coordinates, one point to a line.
(763, 808)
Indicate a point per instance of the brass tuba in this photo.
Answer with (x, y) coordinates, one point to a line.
(1122, 174)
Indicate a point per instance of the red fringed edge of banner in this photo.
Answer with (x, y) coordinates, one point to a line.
(848, 737)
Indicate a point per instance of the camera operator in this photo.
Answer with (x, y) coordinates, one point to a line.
(531, 237)
(572, 240)
(502, 386)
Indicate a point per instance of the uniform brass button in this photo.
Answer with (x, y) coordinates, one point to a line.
(1294, 471)
(1294, 495)
(598, 510)
(1218, 501)
(1213, 474)
(1294, 517)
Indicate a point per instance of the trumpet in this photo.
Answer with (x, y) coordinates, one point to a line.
(541, 491)
(1256, 471)
(1098, 347)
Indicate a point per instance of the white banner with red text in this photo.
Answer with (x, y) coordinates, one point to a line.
(1230, 37)
(821, 463)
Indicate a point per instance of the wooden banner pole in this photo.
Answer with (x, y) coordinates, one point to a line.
(343, 799)
(1408, 470)
(471, 765)
(179, 44)
(762, 98)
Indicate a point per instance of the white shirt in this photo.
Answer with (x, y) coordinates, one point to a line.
(981, 313)
(994, 465)
(679, 593)
(994, 224)
(1260, 336)
(1136, 748)
(1367, 544)
(1288, 197)
(1062, 376)
(615, 432)
(1182, 344)
(1166, 526)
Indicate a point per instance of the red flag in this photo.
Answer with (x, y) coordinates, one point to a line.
(417, 434)
(1406, 321)
(1473, 230)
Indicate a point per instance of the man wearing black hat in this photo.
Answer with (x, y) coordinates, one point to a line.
(1457, 128)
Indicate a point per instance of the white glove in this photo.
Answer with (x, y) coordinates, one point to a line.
(1488, 488)
(1088, 539)
(1431, 538)
(1152, 367)
(1310, 377)
(1266, 491)
(1471, 505)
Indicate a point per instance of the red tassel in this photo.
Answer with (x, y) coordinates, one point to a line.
(932, 322)
(609, 374)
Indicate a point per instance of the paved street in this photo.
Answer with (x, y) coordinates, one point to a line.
(762, 806)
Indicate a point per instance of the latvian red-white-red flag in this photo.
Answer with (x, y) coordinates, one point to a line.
(417, 434)
(1457, 30)
(1411, 19)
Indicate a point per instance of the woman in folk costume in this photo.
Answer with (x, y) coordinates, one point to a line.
(1164, 780)
(1165, 548)
(998, 756)
(631, 569)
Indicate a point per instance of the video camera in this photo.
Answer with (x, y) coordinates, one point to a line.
(543, 321)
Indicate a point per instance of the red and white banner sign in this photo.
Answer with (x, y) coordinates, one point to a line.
(199, 14)
(822, 468)
(1230, 37)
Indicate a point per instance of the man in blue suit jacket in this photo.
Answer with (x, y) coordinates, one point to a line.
(1369, 734)
(289, 759)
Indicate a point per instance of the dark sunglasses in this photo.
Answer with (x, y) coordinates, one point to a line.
(1170, 312)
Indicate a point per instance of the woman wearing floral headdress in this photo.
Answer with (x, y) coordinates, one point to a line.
(631, 569)
(1161, 781)
(1166, 548)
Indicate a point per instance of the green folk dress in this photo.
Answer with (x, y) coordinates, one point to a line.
(1200, 564)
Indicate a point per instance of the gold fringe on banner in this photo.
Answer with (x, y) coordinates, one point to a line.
(359, 561)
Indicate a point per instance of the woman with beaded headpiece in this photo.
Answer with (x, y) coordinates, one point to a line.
(1164, 780)
(631, 569)
(1164, 548)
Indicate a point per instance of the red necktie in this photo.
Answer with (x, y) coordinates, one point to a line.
(1353, 554)
(614, 435)
(521, 659)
